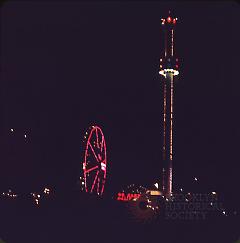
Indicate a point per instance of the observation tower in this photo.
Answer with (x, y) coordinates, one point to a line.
(168, 70)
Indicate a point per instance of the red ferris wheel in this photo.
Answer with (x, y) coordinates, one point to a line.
(95, 161)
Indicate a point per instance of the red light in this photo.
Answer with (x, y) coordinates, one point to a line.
(169, 19)
(174, 21)
(176, 66)
(119, 196)
(127, 197)
(176, 59)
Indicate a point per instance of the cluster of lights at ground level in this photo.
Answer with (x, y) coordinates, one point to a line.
(36, 196)
(125, 197)
(209, 200)
(121, 196)
(12, 130)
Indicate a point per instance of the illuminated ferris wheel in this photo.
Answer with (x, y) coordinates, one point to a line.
(95, 161)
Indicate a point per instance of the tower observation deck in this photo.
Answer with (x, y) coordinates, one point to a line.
(168, 70)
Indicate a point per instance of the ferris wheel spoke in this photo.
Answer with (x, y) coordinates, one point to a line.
(103, 183)
(94, 182)
(98, 185)
(91, 169)
(93, 151)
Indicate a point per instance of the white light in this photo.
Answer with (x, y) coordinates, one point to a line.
(195, 179)
(82, 182)
(168, 70)
(153, 192)
(25, 135)
(214, 193)
(12, 130)
(224, 212)
(46, 190)
(103, 166)
(181, 189)
(156, 185)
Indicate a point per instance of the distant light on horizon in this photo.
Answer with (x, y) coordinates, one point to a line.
(46, 190)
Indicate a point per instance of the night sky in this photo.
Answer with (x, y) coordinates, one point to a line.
(66, 66)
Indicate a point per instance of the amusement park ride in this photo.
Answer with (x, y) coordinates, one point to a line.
(168, 69)
(95, 157)
(144, 204)
(95, 161)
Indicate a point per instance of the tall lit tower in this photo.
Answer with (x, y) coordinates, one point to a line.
(168, 69)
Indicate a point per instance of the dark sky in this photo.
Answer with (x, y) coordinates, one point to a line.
(66, 66)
